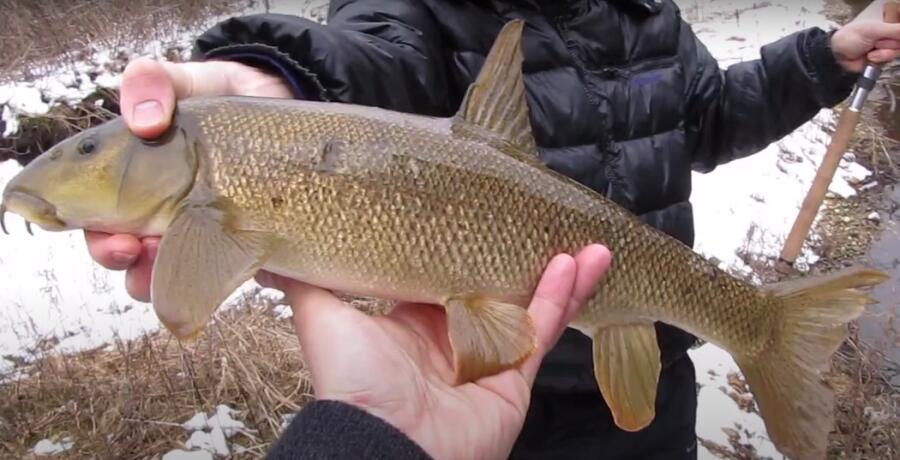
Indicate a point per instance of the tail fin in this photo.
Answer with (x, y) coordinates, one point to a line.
(795, 403)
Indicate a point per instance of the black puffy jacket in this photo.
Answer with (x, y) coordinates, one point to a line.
(623, 97)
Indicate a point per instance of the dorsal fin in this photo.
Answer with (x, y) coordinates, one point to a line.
(496, 100)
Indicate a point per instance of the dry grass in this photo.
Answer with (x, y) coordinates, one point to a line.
(38, 34)
(875, 139)
(868, 403)
(128, 400)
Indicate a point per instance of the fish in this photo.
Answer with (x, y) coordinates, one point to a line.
(457, 211)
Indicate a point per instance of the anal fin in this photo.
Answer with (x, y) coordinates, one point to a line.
(627, 366)
(488, 336)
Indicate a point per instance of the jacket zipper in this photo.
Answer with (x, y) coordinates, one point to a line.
(610, 72)
(610, 155)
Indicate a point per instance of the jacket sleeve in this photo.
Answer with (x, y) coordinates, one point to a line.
(333, 429)
(382, 53)
(738, 111)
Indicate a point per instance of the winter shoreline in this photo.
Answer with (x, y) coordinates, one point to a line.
(63, 303)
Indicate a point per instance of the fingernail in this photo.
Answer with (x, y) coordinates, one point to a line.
(147, 113)
(123, 258)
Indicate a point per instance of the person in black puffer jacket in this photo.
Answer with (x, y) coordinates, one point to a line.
(623, 98)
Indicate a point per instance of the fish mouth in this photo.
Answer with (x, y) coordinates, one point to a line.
(32, 208)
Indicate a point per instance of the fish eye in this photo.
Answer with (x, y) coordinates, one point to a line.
(87, 146)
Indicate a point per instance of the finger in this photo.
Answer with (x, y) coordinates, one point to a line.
(548, 309)
(592, 263)
(881, 31)
(882, 56)
(138, 277)
(114, 252)
(147, 97)
(888, 44)
(193, 79)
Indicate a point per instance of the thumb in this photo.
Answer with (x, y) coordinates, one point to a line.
(150, 89)
(147, 97)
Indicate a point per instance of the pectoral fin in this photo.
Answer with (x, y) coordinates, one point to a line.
(627, 366)
(488, 336)
(200, 262)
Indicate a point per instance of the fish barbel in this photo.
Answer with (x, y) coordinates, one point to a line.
(455, 211)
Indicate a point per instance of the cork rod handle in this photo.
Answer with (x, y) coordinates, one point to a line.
(892, 11)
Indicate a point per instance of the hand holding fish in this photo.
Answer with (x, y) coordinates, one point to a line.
(149, 91)
(399, 366)
(868, 37)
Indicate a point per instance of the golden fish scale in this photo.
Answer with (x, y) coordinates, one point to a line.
(395, 204)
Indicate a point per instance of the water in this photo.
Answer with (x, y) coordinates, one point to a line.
(891, 120)
(879, 325)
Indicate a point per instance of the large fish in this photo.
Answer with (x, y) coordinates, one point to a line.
(454, 211)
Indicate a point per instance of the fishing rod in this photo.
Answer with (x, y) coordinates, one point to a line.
(839, 142)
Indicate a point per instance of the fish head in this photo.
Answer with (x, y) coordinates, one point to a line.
(105, 179)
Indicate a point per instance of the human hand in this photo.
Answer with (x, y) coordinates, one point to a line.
(399, 366)
(867, 37)
(147, 99)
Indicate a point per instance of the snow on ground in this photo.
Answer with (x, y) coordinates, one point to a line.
(58, 293)
(717, 411)
(54, 291)
(72, 82)
(210, 435)
(48, 447)
(57, 297)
